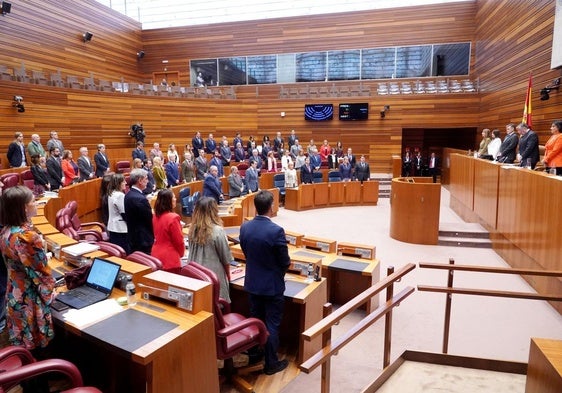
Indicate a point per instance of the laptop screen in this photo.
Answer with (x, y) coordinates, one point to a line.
(103, 274)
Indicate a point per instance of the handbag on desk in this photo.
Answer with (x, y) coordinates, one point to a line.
(77, 277)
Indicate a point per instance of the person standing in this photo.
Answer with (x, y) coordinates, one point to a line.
(483, 147)
(139, 152)
(528, 146)
(362, 171)
(235, 183)
(506, 153)
(433, 165)
(201, 165)
(172, 173)
(35, 148)
(155, 151)
(346, 171)
(54, 169)
(116, 224)
(30, 287)
(307, 172)
(291, 176)
(553, 148)
(187, 168)
(40, 175)
(210, 145)
(278, 142)
(212, 186)
(208, 244)
(494, 145)
(292, 140)
(197, 143)
(55, 142)
(267, 260)
(169, 246)
(16, 152)
(69, 168)
(251, 177)
(138, 213)
(85, 167)
(101, 160)
(159, 174)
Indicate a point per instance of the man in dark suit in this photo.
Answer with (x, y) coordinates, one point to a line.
(197, 144)
(85, 167)
(292, 139)
(307, 172)
(54, 169)
(139, 152)
(16, 152)
(508, 146)
(351, 157)
(362, 171)
(433, 166)
(101, 160)
(278, 142)
(267, 259)
(210, 145)
(212, 186)
(138, 213)
(528, 146)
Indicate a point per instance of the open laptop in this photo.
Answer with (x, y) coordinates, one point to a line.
(98, 286)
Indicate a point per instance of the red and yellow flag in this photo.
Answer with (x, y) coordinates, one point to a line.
(527, 119)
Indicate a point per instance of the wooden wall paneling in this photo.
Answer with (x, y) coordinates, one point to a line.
(486, 183)
(506, 52)
(46, 35)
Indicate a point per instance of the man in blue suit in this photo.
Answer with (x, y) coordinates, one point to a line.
(138, 213)
(267, 259)
(251, 177)
(172, 173)
(212, 186)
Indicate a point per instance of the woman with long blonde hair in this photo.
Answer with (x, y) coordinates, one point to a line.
(208, 245)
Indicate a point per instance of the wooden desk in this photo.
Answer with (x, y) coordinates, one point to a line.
(321, 244)
(318, 195)
(181, 359)
(346, 276)
(544, 374)
(303, 309)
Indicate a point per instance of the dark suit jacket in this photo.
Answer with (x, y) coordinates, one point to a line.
(212, 187)
(84, 168)
(140, 154)
(239, 154)
(54, 171)
(507, 148)
(39, 175)
(210, 146)
(197, 145)
(172, 173)
(529, 148)
(138, 215)
(267, 258)
(306, 174)
(101, 164)
(15, 155)
(362, 173)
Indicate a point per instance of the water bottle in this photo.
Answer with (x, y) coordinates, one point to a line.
(310, 273)
(130, 290)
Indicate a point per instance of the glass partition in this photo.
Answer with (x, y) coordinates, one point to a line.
(415, 61)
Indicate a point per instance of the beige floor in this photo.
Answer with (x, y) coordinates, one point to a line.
(492, 328)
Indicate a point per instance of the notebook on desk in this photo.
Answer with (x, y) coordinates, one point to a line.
(98, 286)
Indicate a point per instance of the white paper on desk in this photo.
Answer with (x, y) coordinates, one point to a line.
(94, 313)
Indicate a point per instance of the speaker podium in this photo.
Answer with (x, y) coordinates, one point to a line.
(414, 210)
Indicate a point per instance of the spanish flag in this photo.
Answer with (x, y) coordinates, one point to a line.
(527, 119)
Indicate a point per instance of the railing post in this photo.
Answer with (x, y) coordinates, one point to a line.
(388, 321)
(447, 324)
(326, 337)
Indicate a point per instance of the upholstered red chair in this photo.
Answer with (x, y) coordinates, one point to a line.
(17, 364)
(145, 259)
(10, 180)
(234, 332)
(242, 168)
(112, 249)
(122, 167)
(27, 179)
(64, 225)
(72, 207)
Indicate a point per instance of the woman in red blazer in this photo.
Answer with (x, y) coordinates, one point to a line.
(168, 237)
